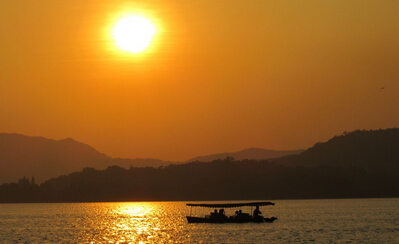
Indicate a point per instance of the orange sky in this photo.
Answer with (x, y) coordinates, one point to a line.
(220, 76)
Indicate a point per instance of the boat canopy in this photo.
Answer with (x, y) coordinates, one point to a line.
(229, 205)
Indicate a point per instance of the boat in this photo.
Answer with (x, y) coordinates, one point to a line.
(239, 217)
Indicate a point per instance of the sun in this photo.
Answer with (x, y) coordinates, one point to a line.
(133, 33)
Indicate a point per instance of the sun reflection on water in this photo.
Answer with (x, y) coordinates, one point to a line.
(134, 223)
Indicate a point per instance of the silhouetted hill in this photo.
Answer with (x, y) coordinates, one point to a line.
(140, 162)
(46, 158)
(375, 150)
(251, 153)
(27, 156)
(202, 181)
(357, 164)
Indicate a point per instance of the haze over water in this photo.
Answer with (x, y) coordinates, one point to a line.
(317, 221)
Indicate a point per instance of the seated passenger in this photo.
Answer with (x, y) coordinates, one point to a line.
(214, 213)
(257, 213)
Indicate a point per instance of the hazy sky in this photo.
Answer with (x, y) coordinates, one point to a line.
(219, 76)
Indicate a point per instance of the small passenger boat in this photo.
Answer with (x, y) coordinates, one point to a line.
(239, 217)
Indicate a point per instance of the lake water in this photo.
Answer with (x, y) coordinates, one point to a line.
(302, 221)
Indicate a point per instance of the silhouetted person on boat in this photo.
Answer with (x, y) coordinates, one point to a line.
(257, 213)
(240, 215)
(221, 212)
(214, 213)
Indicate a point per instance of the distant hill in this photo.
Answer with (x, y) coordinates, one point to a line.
(251, 153)
(26, 156)
(140, 162)
(46, 158)
(375, 150)
(42, 158)
(359, 164)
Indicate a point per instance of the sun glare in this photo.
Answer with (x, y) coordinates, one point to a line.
(133, 33)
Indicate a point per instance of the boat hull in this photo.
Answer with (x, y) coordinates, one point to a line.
(192, 219)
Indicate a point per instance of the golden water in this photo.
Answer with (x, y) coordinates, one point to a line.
(303, 221)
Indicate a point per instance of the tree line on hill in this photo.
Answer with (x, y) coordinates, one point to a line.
(364, 164)
(218, 180)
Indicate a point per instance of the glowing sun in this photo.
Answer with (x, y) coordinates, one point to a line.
(133, 33)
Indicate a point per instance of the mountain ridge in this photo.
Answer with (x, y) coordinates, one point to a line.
(42, 158)
(359, 164)
(371, 149)
(250, 153)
